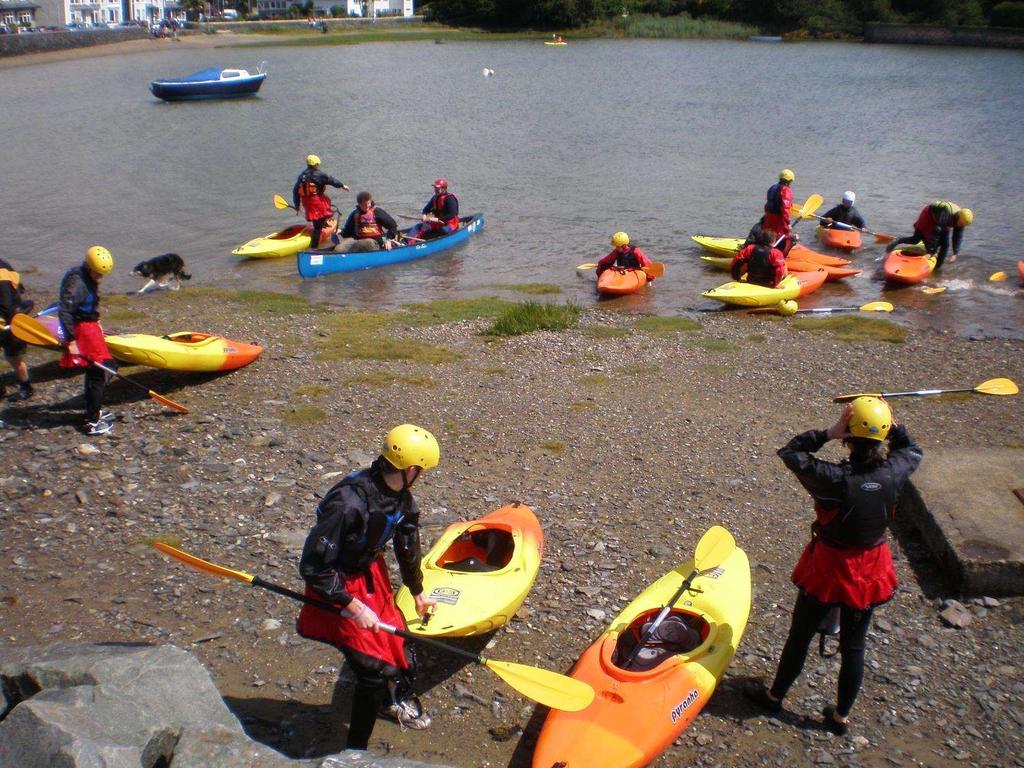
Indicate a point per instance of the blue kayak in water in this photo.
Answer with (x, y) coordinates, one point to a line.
(317, 263)
(213, 83)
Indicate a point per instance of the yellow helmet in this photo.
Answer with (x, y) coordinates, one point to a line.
(619, 239)
(786, 175)
(99, 260)
(410, 446)
(965, 217)
(870, 418)
(313, 161)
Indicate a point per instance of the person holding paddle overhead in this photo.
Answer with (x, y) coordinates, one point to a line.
(760, 261)
(309, 193)
(776, 209)
(12, 302)
(343, 562)
(844, 213)
(624, 256)
(79, 314)
(371, 228)
(932, 228)
(440, 215)
(847, 562)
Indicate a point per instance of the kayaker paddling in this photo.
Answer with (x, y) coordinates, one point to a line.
(933, 227)
(760, 261)
(368, 228)
(440, 216)
(79, 314)
(847, 562)
(343, 562)
(844, 213)
(623, 255)
(308, 194)
(12, 301)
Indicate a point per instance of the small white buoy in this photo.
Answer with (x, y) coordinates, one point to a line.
(488, 72)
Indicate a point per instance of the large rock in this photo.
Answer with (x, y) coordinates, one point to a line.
(130, 706)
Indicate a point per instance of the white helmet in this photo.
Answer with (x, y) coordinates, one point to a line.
(849, 197)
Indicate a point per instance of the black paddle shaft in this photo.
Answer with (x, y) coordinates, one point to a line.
(654, 625)
(331, 608)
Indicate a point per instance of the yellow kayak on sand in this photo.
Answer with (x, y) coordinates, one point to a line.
(479, 572)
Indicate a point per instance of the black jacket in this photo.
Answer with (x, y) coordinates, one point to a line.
(12, 293)
(845, 215)
(79, 299)
(388, 224)
(318, 177)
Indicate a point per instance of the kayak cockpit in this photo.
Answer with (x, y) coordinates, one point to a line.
(479, 550)
(682, 634)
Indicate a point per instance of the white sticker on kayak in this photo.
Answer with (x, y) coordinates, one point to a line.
(316, 259)
(685, 704)
(445, 595)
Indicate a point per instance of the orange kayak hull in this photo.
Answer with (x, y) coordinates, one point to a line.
(621, 282)
(907, 269)
(842, 239)
(803, 253)
(832, 273)
(1020, 270)
(810, 281)
(636, 715)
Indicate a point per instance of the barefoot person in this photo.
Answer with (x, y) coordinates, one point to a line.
(79, 316)
(847, 562)
(343, 562)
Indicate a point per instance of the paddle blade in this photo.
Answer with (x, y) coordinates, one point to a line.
(280, 203)
(877, 306)
(997, 277)
(811, 204)
(169, 403)
(548, 688)
(936, 289)
(655, 269)
(31, 331)
(202, 565)
(881, 237)
(713, 548)
(997, 387)
(588, 265)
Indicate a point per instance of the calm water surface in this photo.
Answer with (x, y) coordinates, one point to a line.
(559, 149)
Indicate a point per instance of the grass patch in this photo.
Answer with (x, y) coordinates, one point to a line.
(604, 332)
(452, 310)
(716, 345)
(494, 370)
(581, 406)
(554, 447)
(397, 33)
(595, 380)
(638, 369)
(854, 328)
(757, 337)
(716, 368)
(302, 415)
(384, 379)
(358, 335)
(311, 390)
(680, 26)
(123, 315)
(530, 316)
(538, 289)
(254, 301)
(665, 326)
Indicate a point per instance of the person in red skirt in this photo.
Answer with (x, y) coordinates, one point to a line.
(847, 562)
(79, 316)
(343, 562)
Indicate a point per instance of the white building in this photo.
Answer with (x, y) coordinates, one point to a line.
(117, 11)
(366, 8)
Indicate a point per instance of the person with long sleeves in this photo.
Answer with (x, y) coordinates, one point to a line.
(308, 194)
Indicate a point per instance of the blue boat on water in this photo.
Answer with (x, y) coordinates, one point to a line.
(317, 263)
(212, 83)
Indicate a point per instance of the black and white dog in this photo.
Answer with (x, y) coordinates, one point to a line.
(160, 270)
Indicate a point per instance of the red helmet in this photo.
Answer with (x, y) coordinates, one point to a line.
(442, 183)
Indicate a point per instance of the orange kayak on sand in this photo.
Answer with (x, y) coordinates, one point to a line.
(905, 268)
(619, 282)
(638, 712)
(832, 273)
(843, 239)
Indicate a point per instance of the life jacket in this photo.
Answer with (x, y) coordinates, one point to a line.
(8, 275)
(867, 507)
(367, 226)
(628, 260)
(437, 208)
(358, 552)
(774, 202)
(309, 186)
(760, 269)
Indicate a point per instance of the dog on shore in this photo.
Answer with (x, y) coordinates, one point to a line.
(160, 270)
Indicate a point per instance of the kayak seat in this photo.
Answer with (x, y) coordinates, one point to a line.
(479, 551)
(679, 634)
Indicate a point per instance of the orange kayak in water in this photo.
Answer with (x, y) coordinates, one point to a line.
(843, 239)
(619, 282)
(638, 712)
(1020, 270)
(900, 267)
(832, 273)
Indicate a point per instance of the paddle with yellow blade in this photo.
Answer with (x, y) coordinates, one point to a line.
(873, 306)
(712, 550)
(990, 387)
(997, 277)
(805, 211)
(31, 331)
(280, 203)
(548, 688)
(652, 270)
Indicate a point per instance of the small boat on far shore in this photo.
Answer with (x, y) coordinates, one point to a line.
(214, 83)
(764, 39)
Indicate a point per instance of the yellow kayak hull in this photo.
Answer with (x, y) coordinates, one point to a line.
(185, 351)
